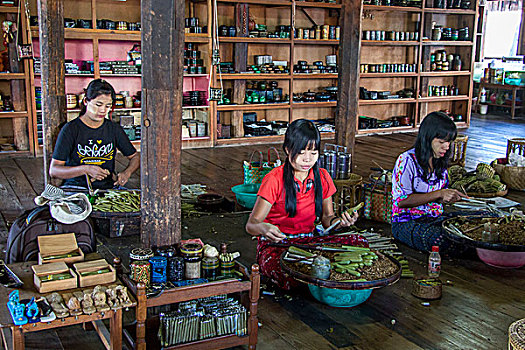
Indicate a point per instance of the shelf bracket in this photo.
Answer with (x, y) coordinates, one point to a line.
(309, 18)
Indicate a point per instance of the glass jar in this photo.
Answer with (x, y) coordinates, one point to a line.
(210, 267)
(321, 268)
(192, 254)
(140, 266)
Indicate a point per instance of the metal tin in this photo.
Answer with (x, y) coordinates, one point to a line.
(337, 32)
(140, 271)
(175, 268)
(210, 267)
(158, 269)
(306, 33)
(326, 32)
(140, 254)
(331, 32)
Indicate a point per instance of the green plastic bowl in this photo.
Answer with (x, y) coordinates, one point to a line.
(246, 194)
(340, 297)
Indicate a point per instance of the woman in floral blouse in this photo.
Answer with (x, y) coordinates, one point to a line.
(419, 185)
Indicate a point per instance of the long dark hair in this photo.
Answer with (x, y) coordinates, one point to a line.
(434, 125)
(300, 135)
(96, 88)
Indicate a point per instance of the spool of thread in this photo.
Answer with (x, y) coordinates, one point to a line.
(141, 271)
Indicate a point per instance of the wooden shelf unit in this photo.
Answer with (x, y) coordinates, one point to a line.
(16, 126)
(395, 18)
(102, 40)
(241, 51)
(250, 283)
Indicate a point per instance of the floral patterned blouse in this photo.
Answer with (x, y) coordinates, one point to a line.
(407, 179)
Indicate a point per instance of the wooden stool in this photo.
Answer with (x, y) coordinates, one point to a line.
(349, 193)
(516, 146)
(459, 151)
(517, 335)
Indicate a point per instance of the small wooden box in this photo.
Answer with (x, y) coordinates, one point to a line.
(93, 280)
(52, 245)
(49, 269)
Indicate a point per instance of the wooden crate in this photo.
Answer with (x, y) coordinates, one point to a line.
(53, 245)
(53, 268)
(93, 280)
(116, 224)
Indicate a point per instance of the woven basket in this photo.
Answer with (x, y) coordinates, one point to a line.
(487, 194)
(349, 192)
(512, 176)
(517, 335)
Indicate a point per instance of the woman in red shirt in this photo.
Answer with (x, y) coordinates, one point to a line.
(290, 199)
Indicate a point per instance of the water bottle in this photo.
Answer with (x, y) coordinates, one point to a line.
(434, 262)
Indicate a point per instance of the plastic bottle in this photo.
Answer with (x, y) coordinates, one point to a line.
(483, 96)
(434, 262)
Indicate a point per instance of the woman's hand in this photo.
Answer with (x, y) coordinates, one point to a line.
(348, 220)
(122, 178)
(271, 232)
(449, 195)
(95, 172)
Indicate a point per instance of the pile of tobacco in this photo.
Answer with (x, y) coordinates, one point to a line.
(510, 229)
(347, 267)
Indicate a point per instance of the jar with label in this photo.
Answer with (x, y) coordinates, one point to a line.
(192, 254)
(159, 266)
(210, 267)
(140, 266)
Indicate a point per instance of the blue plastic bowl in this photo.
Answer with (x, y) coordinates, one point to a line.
(340, 297)
(246, 194)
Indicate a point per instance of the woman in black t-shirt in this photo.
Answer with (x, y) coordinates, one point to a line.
(88, 144)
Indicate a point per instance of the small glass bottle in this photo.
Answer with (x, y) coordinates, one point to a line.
(434, 262)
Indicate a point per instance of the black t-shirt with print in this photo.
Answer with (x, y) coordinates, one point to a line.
(78, 144)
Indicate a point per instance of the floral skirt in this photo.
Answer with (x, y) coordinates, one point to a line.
(268, 255)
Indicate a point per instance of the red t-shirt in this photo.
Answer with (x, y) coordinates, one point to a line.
(272, 189)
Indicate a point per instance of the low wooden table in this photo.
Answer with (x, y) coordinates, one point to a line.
(112, 339)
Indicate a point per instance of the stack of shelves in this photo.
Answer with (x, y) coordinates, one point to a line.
(16, 130)
(94, 46)
(418, 51)
(242, 52)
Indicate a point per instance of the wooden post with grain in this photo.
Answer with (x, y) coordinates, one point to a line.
(51, 29)
(162, 74)
(348, 82)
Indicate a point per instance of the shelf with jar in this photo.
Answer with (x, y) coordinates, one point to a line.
(439, 28)
(274, 53)
(111, 50)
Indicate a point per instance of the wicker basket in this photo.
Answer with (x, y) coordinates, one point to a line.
(349, 193)
(517, 335)
(512, 176)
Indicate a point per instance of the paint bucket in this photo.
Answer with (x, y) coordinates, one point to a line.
(483, 109)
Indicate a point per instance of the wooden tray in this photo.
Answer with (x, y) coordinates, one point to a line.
(453, 236)
(302, 277)
(488, 194)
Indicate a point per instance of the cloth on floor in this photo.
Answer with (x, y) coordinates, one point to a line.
(67, 209)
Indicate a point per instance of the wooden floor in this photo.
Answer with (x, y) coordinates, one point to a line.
(479, 302)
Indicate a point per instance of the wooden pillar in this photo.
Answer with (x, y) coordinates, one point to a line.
(348, 82)
(521, 34)
(18, 97)
(162, 73)
(51, 29)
